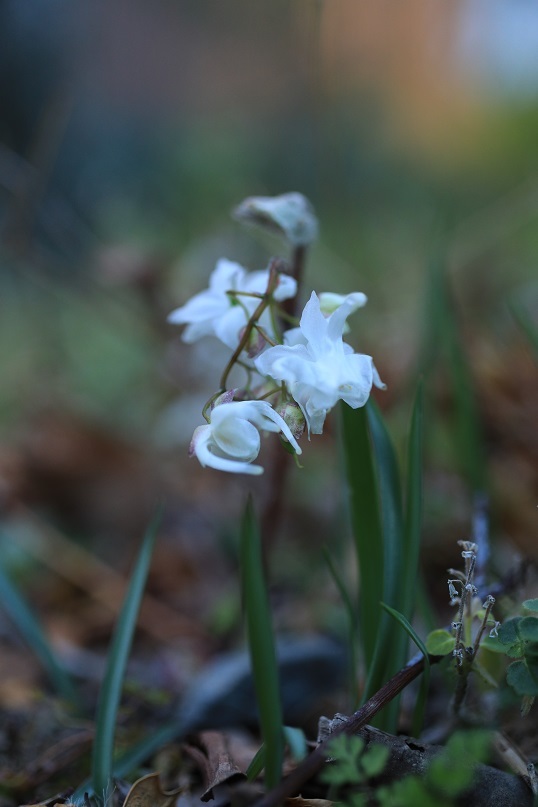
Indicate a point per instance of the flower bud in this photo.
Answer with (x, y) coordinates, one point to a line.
(225, 397)
(292, 415)
(290, 215)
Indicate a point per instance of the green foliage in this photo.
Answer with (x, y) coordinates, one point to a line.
(351, 764)
(387, 538)
(420, 706)
(448, 776)
(440, 642)
(296, 742)
(530, 605)
(110, 693)
(519, 637)
(261, 646)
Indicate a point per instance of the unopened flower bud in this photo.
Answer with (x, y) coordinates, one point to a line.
(225, 397)
(290, 215)
(292, 415)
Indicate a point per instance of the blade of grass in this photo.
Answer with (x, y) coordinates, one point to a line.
(261, 646)
(111, 688)
(420, 706)
(352, 619)
(257, 764)
(366, 523)
(388, 475)
(30, 629)
(391, 642)
(442, 339)
(413, 509)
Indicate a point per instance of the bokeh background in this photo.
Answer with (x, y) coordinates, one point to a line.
(128, 132)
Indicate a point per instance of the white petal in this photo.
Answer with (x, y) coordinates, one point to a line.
(228, 327)
(313, 324)
(329, 301)
(226, 275)
(201, 445)
(236, 437)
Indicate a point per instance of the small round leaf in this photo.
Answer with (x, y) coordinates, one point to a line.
(440, 643)
(520, 679)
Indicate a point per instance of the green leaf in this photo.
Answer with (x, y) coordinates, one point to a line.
(515, 650)
(443, 344)
(531, 605)
(508, 632)
(391, 646)
(452, 771)
(521, 680)
(493, 643)
(261, 646)
(110, 693)
(351, 613)
(366, 523)
(257, 764)
(30, 629)
(406, 625)
(413, 508)
(374, 760)
(440, 643)
(421, 700)
(528, 629)
(344, 769)
(296, 741)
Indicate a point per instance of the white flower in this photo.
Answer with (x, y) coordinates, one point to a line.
(214, 312)
(290, 215)
(231, 441)
(318, 367)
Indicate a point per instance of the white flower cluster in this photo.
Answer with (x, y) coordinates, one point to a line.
(311, 368)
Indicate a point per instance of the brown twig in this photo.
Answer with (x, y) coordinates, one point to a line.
(312, 764)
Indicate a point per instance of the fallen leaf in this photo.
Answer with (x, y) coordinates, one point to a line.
(147, 792)
(214, 758)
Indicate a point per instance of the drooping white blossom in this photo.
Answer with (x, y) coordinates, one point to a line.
(289, 214)
(231, 441)
(317, 366)
(216, 312)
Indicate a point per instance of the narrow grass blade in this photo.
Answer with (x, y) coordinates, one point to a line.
(420, 706)
(261, 646)
(442, 340)
(366, 523)
(390, 490)
(110, 694)
(30, 629)
(257, 764)
(391, 642)
(296, 742)
(413, 509)
(352, 619)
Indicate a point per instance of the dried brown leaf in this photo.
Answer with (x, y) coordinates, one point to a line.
(147, 792)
